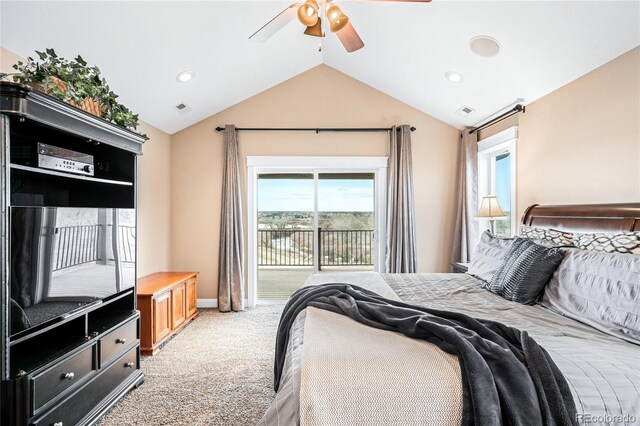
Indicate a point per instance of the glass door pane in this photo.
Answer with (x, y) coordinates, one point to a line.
(346, 221)
(285, 233)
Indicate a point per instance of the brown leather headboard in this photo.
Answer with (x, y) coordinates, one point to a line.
(605, 218)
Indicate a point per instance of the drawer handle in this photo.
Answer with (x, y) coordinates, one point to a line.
(129, 365)
(58, 424)
(121, 341)
(68, 376)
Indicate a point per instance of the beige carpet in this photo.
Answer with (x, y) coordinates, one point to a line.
(217, 371)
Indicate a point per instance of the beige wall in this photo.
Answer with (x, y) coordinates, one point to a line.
(154, 192)
(7, 59)
(154, 202)
(320, 97)
(581, 143)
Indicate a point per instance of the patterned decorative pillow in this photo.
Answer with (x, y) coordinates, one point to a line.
(622, 242)
(525, 271)
(558, 238)
(488, 256)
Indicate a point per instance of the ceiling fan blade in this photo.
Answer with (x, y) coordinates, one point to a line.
(276, 24)
(350, 38)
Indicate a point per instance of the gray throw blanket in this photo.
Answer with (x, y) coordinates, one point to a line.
(508, 379)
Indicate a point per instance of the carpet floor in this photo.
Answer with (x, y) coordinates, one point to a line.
(216, 371)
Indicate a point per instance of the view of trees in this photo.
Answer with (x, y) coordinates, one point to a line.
(286, 238)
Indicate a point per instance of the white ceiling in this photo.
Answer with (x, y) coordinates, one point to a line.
(141, 47)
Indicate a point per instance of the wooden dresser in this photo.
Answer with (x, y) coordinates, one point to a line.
(167, 302)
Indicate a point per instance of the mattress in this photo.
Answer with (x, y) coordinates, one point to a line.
(602, 371)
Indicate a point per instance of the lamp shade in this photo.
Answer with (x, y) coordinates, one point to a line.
(490, 208)
(308, 13)
(337, 19)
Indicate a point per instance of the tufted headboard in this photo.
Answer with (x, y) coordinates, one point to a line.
(607, 218)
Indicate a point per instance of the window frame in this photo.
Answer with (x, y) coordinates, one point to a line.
(488, 149)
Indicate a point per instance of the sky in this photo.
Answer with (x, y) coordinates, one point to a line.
(503, 183)
(336, 195)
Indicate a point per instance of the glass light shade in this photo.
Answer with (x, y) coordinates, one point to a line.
(490, 208)
(308, 13)
(337, 19)
(315, 30)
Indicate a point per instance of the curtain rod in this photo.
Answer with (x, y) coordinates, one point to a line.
(516, 109)
(314, 129)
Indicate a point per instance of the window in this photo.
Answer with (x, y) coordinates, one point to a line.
(496, 176)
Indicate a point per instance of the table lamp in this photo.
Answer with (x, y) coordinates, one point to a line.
(490, 209)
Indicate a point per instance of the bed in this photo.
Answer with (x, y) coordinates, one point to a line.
(338, 371)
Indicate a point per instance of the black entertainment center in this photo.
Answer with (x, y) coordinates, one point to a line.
(69, 328)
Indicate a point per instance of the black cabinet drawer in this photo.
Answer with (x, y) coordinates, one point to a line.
(117, 341)
(77, 406)
(53, 381)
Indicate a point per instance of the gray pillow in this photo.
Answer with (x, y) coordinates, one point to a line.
(525, 271)
(488, 256)
(598, 289)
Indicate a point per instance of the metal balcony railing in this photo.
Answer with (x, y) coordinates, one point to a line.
(77, 245)
(295, 247)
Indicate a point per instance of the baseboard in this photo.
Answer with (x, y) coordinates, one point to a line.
(207, 303)
(212, 303)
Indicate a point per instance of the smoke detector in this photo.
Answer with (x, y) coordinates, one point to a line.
(182, 108)
(464, 111)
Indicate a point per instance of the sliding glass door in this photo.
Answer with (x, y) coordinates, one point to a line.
(286, 223)
(312, 215)
(346, 221)
(310, 223)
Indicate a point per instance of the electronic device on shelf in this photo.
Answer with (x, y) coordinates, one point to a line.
(64, 160)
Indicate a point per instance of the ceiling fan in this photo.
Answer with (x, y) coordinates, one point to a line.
(310, 14)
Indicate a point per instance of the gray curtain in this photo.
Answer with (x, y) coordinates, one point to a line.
(465, 235)
(401, 228)
(231, 260)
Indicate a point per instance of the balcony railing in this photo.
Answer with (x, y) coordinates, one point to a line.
(77, 245)
(295, 247)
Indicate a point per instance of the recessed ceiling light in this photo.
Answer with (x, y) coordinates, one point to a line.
(185, 76)
(484, 46)
(454, 77)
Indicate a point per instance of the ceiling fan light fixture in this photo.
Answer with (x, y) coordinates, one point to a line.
(315, 30)
(308, 13)
(337, 19)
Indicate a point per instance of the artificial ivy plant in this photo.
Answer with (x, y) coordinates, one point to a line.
(74, 82)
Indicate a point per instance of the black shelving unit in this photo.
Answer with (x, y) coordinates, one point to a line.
(70, 369)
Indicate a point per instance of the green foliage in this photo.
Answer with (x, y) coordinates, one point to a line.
(80, 82)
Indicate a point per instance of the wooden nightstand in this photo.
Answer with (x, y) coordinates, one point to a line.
(459, 267)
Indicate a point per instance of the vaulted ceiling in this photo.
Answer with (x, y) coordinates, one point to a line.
(142, 46)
